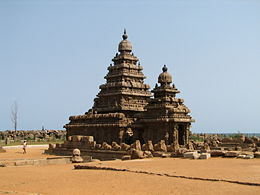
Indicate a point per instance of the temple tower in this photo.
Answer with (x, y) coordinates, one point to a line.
(124, 90)
(166, 118)
(120, 100)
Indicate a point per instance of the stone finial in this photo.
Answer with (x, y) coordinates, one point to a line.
(124, 36)
(164, 69)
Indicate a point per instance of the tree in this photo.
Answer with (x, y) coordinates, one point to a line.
(14, 115)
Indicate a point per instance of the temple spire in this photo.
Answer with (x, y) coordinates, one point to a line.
(125, 35)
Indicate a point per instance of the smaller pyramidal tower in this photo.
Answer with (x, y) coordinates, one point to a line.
(166, 117)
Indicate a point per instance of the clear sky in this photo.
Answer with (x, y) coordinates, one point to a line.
(55, 54)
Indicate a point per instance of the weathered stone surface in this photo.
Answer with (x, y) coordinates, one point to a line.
(191, 155)
(217, 153)
(148, 146)
(98, 146)
(76, 138)
(137, 154)
(161, 146)
(115, 146)
(181, 151)
(51, 146)
(148, 154)
(106, 146)
(249, 156)
(125, 147)
(76, 152)
(257, 154)
(136, 145)
(232, 153)
(126, 157)
(76, 159)
(205, 156)
(2, 150)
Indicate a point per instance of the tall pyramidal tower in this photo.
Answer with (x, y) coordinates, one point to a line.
(124, 90)
(120, 100)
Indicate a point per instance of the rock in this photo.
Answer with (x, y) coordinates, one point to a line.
(126, 157)
(2, 150)
(125, 147)
(217, 153)
(148, 146)
(136, 145)
(191, 155)
(181, 151)
(248, 140)
(52, 146)
(2, 165)
(106, 146)
(137, 154)
(98, 146)
(241, 156)
(249, 156)
(76, 159)
(115, 146)
(166, 155)
(173, 147)
(232, 153)
(161, 146)
(205, 156)
(76, 152)
(148, 154)
(157, 154)
(257, 154)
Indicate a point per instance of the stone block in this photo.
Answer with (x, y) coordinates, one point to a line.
(191, 155)
(257, 154)
(137, 154)
(126, 157)
(217, 153)
(205, 156)
(232, 154)
(76, 159)
(249, 156)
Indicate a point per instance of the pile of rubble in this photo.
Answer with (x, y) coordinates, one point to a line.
(149, 150)
(36, 135)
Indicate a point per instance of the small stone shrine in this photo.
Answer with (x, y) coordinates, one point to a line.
(125, 111)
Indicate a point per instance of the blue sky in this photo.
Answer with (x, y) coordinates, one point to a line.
(54, 55)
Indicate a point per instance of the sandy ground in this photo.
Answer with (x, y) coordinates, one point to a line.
(63, 179)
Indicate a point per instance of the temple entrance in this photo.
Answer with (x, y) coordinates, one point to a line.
(181, 134)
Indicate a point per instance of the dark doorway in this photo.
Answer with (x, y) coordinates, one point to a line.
(181, 134)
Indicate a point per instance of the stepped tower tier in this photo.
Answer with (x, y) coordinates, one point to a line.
(166, 118)
(124, 90)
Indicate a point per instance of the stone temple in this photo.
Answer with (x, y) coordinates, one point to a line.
(126, 110)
